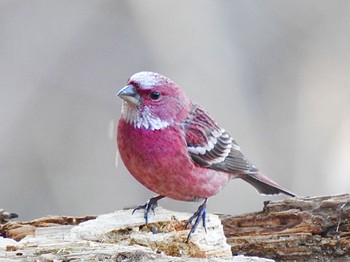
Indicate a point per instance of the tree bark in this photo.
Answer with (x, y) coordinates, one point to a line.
(300, 229)
(295, 229)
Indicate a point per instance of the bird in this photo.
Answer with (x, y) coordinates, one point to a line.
(174, 148)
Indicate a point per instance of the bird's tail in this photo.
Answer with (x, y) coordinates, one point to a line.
(265, 185)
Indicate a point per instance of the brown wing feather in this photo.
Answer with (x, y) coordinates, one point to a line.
(212, 147)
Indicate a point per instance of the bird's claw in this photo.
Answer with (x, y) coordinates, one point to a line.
(199, 215)
(151, 204)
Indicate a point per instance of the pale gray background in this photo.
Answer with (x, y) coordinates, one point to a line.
(275, 74)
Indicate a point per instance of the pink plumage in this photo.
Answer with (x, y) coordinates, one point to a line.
(174, 148)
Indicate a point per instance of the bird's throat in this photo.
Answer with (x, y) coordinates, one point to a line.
(142, 118)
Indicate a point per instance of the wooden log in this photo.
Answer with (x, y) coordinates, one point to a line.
(300, 229)
(295, 229)
(115, 237)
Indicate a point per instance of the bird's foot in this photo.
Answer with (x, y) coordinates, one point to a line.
(151, 204)
(199, 215)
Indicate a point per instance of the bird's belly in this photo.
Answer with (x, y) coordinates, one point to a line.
(159, 160)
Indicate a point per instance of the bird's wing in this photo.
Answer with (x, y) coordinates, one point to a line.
(211, 146)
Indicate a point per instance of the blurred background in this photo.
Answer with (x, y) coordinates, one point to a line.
(275, 74)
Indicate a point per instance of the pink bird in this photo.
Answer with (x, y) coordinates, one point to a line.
(175, 149)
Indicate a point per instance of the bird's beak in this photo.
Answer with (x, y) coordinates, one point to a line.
(129, 94)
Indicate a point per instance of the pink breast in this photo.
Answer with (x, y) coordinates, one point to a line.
(159, 160)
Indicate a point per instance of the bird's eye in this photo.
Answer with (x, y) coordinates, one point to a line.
(155, 95)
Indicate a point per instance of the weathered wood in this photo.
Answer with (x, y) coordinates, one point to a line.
(165, 233)
(17, 230)
(115, 237)
(301, 229)
(295, 229)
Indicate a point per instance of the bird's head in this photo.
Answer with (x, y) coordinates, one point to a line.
(153, 101)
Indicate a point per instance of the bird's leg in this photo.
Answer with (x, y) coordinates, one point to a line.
(151, 204)
(198, 215)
